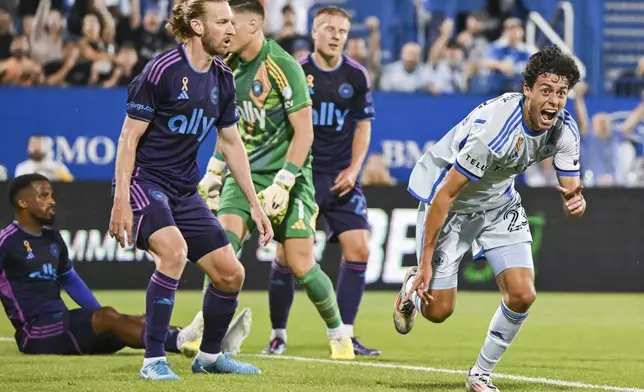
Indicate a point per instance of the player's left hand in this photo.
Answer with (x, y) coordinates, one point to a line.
(274, 199)
(575, 203)
(345, 181)
(264, 226)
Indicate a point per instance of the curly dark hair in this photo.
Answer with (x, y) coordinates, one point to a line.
(551, 60)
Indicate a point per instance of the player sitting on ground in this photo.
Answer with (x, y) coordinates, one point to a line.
(465, 184)
(277, 128)
(342, 112)
(34, 265)
(179, 97)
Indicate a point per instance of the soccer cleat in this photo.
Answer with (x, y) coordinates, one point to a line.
(341, 348)
(224, 365)
(359, 349)
(405, 312)
(277, 346)
(158, 370)
(479, 383)
(238, 331)
(191, 348)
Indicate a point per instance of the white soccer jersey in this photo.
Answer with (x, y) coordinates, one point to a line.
(491, 146)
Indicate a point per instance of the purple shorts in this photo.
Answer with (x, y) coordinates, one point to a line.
(341, 214)
(68, 332)
(154, 208)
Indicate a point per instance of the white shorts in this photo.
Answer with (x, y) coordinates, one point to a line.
(480, 231)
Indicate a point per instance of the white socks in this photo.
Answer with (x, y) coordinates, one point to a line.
(333, 333)
(278, 333)
(503, 329)
(206, 357)
(147, 361)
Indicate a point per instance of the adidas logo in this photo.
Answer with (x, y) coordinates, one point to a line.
(299, 225)
(183, 95)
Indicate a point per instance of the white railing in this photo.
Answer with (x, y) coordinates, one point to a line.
(535, 20)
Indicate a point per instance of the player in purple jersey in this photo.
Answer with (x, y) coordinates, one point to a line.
(35, 265)
(342, 113)
(178, 98)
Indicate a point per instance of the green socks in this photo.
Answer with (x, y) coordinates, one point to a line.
(319, 288)
(236, 244)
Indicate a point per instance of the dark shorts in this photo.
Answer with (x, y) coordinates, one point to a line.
(341, 214)
(66, 333)
(154, 209)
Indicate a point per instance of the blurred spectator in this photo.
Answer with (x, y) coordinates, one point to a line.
(375, 172)
(6, 33)
(600, 146)
(369, 56)
(151, 39)
(126, 67)
(450, 70)
(408, 74)
(40, 163)
(274, 22)
(542, 174)
(94, 57)
(472, 39)
(19, 69)
(297, 45)
(507, 59)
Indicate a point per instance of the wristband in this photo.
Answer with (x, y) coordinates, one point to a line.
(291, 168)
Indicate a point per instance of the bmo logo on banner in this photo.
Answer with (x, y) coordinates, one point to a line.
(83, 150)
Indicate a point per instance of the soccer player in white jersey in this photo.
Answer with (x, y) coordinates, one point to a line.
(466, 187)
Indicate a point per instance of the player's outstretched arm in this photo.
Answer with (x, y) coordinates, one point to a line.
(121, 219)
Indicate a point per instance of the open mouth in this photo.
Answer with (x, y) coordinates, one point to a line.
(227, 41)
(334, 46)
(548, 114)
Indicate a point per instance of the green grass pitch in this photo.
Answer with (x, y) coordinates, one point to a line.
(594, 339)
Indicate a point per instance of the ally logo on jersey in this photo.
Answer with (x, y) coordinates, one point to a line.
(251, 114)
(328, 115)
(196, 124)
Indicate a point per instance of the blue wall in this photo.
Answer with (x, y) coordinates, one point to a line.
(85, 124)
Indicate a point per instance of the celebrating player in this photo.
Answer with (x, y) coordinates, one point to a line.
(34, 265)
(172, 106)
(466, 187)
(342, 112)
(277, 128)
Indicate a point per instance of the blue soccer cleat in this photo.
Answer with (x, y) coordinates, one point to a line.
(224, 365)
(360, 349)
(158, 370)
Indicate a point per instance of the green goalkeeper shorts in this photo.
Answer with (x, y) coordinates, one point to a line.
(302, 213)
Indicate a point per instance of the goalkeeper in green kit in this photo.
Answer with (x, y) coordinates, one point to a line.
(276, 126)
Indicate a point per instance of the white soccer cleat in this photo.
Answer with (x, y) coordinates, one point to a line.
(405, 311)
(238, 331)
(189, 337)
(479, 383)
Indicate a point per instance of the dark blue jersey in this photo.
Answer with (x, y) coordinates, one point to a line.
(341, 98)
(30, 268)
(182, 106)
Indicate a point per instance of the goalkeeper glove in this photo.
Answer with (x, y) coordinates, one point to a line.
(211, 183)
(274, 199)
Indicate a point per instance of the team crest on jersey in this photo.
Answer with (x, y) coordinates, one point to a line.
(258, 88)
(346, 90)
(517, 148)
(53, 248)
(30, 252)
(214, 95)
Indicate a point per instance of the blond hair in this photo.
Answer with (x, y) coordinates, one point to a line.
(182, 13)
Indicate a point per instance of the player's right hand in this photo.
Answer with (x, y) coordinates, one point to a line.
(210, 185)
(121, 222)
(274, 199)
(263, 224)
(422, 281)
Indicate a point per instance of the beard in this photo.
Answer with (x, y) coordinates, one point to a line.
(210, 44)
(37, 156)
(46, 220)
(19, 54)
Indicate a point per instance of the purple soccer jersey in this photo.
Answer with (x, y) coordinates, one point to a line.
(30, 266)
(341, 98)
(182, 106)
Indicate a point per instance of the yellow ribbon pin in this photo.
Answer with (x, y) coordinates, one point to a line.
(27, 246)
(185, 84)
(309, 80)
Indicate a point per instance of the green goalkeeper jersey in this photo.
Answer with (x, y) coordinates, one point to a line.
(269, 88)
